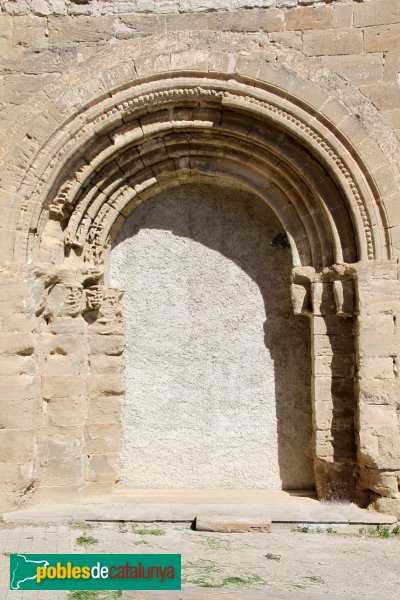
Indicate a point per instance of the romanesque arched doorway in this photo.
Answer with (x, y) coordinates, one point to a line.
(140, 128)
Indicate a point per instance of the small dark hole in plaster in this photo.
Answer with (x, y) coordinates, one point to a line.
(280, 241)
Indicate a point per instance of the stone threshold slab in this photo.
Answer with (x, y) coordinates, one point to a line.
(291, 512)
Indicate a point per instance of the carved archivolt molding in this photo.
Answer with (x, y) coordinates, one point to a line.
(84, 224)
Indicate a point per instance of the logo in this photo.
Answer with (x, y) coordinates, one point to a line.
(95, 572)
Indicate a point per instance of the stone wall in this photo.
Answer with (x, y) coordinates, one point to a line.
(101, 104)
(357, 40)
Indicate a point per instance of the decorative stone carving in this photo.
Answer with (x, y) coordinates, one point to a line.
(331, 291)
(64, 300)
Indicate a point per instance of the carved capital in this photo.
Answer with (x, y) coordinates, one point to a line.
(64, 300)
(331, 292)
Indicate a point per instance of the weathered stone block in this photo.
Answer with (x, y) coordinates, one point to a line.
(385, 96)
(61, 472)
(186, 22)
(378, 296)
(378, 391)
(389, 506)
(332, 325)
(337, 366)
(254, 20)
(8, 500)
(16, 343)
(30, 32)
(392, 117)
(309, 18)
(19, 413)
(102, 438)
(382, 39)
(380, 421)
(67, 325)
(323, 444)
(391, 67)
(60, 344)
(377, 368)
(322, 415)
(357, 69)
(102, 467)
(290, 39)
(63, 387)
(15, 476)
(105, 409)
(112, 345)
(333, 345)
(14, 297)
(59, 442)
(378, 345)
(379, 481)
(64, 30)
(380, 12)
(18, 322)
(17, 365)
(337, 390)
(384, 324)
(65, 365)
(231, 524)
(342, 16)
(105, 364)
(65, 412)
(326, 43)
(110, 385)
(49, 60)
(16, 446)
(127, 26)
(6, 27)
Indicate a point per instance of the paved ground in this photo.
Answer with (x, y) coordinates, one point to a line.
(312, 565)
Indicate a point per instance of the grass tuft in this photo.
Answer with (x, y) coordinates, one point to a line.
(149, 531)
(86, 540)
(74, 524)
(94, 595)
(301, 529)
(380, 530)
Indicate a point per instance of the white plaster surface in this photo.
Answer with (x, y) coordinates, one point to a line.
(217, 369)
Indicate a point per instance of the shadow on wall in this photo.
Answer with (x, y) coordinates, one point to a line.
(240, 227)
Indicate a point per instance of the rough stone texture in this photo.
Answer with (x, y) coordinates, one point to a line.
(210, 380)
(295, 102)
(61, 7)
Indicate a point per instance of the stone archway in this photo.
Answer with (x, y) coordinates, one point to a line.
(147, 125)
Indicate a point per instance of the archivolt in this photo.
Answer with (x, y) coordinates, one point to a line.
(158, 133)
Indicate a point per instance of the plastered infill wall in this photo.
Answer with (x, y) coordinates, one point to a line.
(216, 366)
(360, 41)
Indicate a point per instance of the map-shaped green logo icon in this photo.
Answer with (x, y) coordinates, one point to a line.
(23, 570)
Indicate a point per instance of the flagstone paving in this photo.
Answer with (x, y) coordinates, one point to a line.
(288, 563)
